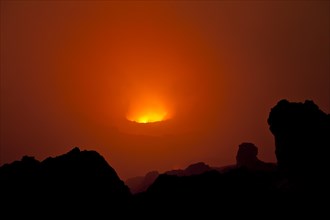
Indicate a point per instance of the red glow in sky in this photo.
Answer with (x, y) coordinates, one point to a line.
(78, 74)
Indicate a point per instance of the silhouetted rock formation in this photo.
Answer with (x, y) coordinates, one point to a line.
(302, 134)
(247, 158)
(302, 137)
(211, 192)
(193, 169)
(76, 180)
(81, 182)
(196, 169)
(140, 183)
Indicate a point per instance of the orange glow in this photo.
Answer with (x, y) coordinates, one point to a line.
(86, 74)
(147, 110)
(152, 116)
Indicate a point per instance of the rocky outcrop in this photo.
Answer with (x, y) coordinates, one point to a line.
(77, 179)
(193, 169)
(247, 158)
(141, 183)
(302, 137)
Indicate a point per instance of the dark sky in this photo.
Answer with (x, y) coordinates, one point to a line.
(72, 72)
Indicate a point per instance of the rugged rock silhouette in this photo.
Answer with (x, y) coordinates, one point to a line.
(211, 193)
(81, 182)
(302, 137)
(193, 169)
(141, 183)
(247, 158)
(76, 180)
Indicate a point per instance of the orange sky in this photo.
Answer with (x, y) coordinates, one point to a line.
(73, 72)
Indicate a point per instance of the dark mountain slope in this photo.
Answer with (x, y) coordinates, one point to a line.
(77, 180)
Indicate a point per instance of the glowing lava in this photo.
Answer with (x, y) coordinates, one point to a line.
(148, 116)
(147, 111)
(151, 117)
